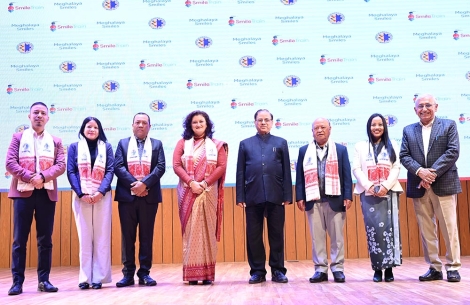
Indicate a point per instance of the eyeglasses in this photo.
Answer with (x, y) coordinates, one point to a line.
(422, 106)
(263, 120)
(320, 128)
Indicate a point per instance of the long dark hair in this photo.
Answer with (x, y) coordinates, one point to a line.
(101, 135)
(385, 138)
(188, 130)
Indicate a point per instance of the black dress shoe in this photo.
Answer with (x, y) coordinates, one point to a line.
(147, 281)
(339, 277)
(192, 282)
(389, 275)
(126, 281)
(453, 276)
(15, 289)
(279, 277)
(431, 275)
(319, 277)
(206, 282)
(46, 286)
(84, 285)
(96, 285)
(377, 276)
(257, 278)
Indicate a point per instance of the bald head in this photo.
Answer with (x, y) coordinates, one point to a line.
(321, 129)
(426, 108)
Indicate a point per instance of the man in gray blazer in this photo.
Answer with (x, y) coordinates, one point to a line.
(429, 151)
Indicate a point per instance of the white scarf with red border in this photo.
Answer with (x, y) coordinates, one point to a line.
(28, 154)
(139, 167)
(332, 182)
(90, 179)
(378, 172)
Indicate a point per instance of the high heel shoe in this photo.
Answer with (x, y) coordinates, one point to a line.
(389, 275)
(377, 276)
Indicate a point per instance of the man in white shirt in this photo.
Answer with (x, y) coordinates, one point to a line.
(429, 151)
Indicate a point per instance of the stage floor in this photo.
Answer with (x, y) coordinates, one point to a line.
(231, 287)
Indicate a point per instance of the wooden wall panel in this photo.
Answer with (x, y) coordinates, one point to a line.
(228, 232)
(65, 227)
(176, 226)
(167, 247)
(239, 229)
(6, 224)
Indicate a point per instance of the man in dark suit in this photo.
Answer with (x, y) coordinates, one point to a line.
(323, 189)
(139, 165)
(264, 187)
(35, 159)
(429, 151)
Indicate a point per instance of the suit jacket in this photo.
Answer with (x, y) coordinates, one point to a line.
(152, 180)
(442, 155)
(344, 168)
(263, 171)
(361, 172)
(73, 174)
(19, 173)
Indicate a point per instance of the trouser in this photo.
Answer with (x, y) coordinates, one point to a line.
(322, 219)
(42, 208)
(94, 232)
(427, 208)
(275, 216)
(133, 214)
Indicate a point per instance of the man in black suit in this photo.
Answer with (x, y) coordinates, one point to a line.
(323, 189)
(264, 187)
(429, 151)
(139, 165)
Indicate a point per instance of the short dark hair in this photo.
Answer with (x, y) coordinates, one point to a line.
(385, 138)
(39, 103)
(140, 113)
(261, 110)
(101, 135)
(188, 132)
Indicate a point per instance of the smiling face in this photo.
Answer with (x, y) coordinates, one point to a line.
(426, 108)
(198, 125)
(38, 116)
(91, 130)
(263, 122)
(141, 126)
(377, 128)
(321, 131)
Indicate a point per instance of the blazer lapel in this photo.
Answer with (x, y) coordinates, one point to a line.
(436, 127)
(419, 137)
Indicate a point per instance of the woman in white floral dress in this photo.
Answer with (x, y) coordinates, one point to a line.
(376, 167)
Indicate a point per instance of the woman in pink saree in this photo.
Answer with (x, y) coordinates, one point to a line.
(200, 163)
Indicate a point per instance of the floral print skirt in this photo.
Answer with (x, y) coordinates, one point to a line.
(382, 229)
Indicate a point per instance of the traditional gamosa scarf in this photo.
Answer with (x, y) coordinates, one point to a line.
(90, 179)
(28, 153)
(139, 167)
(378, 165)
(332, 182)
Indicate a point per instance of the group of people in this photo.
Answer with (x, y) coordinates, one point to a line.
(323, 189)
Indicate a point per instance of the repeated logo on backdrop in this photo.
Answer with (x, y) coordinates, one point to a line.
(110, 5)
